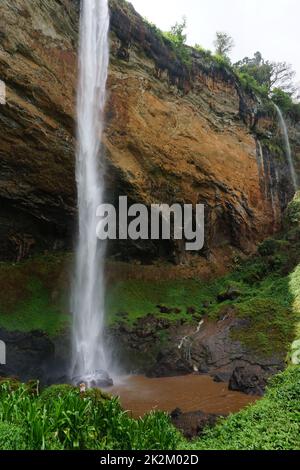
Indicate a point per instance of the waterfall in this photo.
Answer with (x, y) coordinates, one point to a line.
(261, 157)
(89, 360)
(284, 130)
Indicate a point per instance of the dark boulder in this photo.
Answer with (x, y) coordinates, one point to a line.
(170, 363)
(193, 424)
(251, 380)
(27, 354)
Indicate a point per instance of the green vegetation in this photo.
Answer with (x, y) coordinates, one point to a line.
(33, 295)
(223, 44)
(286, 103)
(12, 437)
(62, 418)
(271, 319)
(249, 84)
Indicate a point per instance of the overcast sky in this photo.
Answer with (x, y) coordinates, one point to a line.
(269, 26)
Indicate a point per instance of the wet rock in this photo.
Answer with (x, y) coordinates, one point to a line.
(170, 363)
(28, 355)
(38, 206)
(251, 379)
(193, 424)
(97, 379)
(220, 378)
(212, 350)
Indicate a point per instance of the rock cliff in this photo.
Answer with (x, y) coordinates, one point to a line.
(176, 132)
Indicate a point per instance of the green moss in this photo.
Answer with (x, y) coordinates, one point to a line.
(138, 298)
(33, 295)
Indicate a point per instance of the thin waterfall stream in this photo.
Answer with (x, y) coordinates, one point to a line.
(288, 149)
(89, 358)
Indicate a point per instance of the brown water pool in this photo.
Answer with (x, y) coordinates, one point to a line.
(139, 395)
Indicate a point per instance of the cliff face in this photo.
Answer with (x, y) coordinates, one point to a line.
(175, 133)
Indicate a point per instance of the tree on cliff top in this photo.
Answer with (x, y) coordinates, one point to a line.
(177, 33)
(223, 44)
(270, 74)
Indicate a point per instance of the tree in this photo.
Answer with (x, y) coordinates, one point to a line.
(177, 32)
(269, 74)
(282, 76)
(223, 44)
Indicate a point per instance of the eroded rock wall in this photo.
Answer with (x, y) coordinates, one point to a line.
(175, 133)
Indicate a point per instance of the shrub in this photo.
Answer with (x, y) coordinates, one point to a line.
(251, 85)
(293, 211)
(12, 437)
(271, 247)
(63, 418)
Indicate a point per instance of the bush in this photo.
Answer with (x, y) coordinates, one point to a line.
(251, 85)
(12, 437)
(63, 418)
(271, 247)
(292, 217)
(286, 104)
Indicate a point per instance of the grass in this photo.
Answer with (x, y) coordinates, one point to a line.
(138, 298)
(62, 418)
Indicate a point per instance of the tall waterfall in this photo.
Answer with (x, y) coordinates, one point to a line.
(89, 358)
(284, 130)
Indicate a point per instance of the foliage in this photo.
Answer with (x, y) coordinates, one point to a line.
(270, 75)
(223, 44)
(12, 437)
(177, 33)
(177, 38)
(205, 52)
(286, 103)
(63, 418)
(292, 215)
(271, 246)
(250, 84)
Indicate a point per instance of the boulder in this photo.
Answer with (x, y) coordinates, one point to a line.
(251, 380)
(193, 424)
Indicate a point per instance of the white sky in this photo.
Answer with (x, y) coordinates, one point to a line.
(269, 26)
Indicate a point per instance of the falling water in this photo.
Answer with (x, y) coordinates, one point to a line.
(287, 146)
(261, 156)
(89, 359)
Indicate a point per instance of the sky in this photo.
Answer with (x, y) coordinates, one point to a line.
(269, 26)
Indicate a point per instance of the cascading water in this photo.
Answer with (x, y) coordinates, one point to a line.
(89, 361)
(284, 130)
